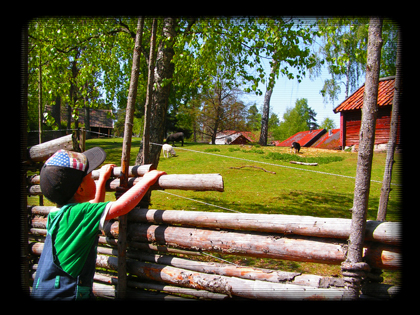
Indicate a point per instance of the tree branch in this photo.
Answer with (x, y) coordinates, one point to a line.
(126, 29)
(253, 167)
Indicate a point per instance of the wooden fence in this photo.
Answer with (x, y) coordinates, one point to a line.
(164, 248)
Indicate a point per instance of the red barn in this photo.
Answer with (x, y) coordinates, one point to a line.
(351, 114)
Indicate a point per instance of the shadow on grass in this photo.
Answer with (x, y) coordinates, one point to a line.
(325, 204)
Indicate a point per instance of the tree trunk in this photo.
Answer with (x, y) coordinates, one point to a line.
(87, 119)
(364, 160)
(266, 111)
(40, 99)
(215, 128)
(23, 120)
(125, 158)
(162, 81)
(69, 111)
(149, 95)
(386, 185)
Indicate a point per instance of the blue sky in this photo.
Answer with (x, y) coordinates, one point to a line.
(286, 92)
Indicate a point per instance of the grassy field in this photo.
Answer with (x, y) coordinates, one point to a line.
(289, 191)
(251, 190)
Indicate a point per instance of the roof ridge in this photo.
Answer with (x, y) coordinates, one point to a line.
(391, 77)
(355, 100)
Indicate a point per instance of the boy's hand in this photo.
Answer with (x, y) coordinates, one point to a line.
(105, 171)
(104, 174)
(132, 197)
(153, 176)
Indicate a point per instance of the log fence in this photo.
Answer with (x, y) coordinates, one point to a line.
(166, 248)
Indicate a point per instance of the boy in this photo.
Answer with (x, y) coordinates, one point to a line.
(67, 264)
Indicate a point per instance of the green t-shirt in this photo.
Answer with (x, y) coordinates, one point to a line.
(76, 232)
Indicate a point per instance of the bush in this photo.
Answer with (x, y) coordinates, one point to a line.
(212, 150)
(254, 151)
(313, 159)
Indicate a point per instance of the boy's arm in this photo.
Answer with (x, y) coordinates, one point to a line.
(132, 197)
(104, 174)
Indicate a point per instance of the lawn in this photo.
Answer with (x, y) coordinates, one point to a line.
(289, 191)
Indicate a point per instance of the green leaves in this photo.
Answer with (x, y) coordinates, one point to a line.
(87, 59)
(344, 47)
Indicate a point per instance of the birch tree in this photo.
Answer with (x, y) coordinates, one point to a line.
(353, 265)
(392, 143)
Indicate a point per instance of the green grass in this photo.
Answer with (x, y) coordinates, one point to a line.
(250, 190)
(293, 157)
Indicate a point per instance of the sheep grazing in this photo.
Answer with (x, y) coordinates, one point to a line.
(167, 148)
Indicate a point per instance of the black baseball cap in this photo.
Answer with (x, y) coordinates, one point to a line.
(64, 171)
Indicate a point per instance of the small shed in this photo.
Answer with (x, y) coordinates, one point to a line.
(304, 138)
(234, 137)
(100, 120)
(351, 115)
(231, 137)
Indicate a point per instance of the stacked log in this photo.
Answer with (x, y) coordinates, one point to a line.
(193, 232)
(197, 182)
(43, 151)
(157, 237)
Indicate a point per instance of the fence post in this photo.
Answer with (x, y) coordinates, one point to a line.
(393, 133)
(353, 268)
(24, 250)
(125, 159)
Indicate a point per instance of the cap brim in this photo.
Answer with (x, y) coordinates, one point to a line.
(95, 156)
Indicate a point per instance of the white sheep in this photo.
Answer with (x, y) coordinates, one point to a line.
(167, 148)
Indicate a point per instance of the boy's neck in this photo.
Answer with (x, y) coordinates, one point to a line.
(71, 200)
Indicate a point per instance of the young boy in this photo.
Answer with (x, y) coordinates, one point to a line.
(67, 264)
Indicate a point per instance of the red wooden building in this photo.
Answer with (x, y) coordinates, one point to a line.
(351, 115)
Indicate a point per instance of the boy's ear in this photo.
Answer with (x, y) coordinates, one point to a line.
(80, 190)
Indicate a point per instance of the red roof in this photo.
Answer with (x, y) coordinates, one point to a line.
(355, 101)
(304, 138)
(330, 140)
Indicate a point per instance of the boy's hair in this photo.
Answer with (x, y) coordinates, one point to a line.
(63, 173)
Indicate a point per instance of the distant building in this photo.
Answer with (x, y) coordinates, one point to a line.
(304, 138)
(235, 137)
(100, 123)
(351, 115)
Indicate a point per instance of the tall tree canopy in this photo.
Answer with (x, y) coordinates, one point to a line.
(86, 62)
(296, 119)
(343, 46)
